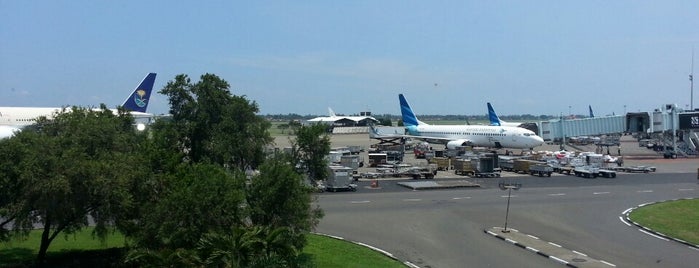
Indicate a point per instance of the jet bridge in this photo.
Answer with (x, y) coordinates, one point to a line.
(559, 129)
(671, 129)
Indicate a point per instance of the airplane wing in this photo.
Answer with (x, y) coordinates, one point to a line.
(440, 140)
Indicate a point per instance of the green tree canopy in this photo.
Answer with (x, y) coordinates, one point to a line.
(279, 197)
(77, 165)
(211, 124)
(310, 149)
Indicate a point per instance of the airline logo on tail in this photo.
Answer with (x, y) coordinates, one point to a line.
(494, 120)
(409, 118)
(138, 101)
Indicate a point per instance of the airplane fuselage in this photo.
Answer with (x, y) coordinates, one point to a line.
(486, 136)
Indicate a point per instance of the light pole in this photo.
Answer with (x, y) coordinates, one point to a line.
(508, 187)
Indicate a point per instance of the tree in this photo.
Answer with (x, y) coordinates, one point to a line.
(199, 198)
(62, 171)
(212, 125)
(386, 121)
(309, 150)
(279, 198)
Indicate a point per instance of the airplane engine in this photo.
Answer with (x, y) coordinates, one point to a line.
(457, 143)
(7, 131)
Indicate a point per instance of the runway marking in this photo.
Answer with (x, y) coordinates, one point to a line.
(558, 194)
(645, 191)
(506, 196)
(653, 235)
(459, 198)
(610, 264)
(412, 200)
(511, 241)
(533, 237)
(622, 220)
(360, 202)
(685, 189)
(600, 193)
(555, 245)
(579, 253)
(532, 249)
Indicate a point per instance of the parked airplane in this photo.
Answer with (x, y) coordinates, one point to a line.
(332, 118)
(13, 119)
(496, 121)
(467, 135)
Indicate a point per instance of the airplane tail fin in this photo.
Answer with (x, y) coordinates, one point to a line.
(409, 118)
(331, 113)
(138, 100)
(591, 114)
(494, 119)
(373, 132)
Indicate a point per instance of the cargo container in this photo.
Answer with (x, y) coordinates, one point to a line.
(339, 178)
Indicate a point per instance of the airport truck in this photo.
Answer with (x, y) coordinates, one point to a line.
(541, 170)
(523, 165)
(428, 172)
(593, 172)
(339, 178)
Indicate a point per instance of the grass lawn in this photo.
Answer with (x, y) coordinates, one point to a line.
(679, 219)
(330, 252)
(20, 250)
(325, 251)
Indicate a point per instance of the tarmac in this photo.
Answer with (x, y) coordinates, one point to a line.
(629, 149)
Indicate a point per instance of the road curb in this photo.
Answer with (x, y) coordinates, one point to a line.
(627, 212)
(385, 253)
(538, 252)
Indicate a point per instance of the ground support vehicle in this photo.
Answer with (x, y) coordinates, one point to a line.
(486, 166)
(339, 178)
(635, 169)
(541, 170)
(523, 165)
(564, 169)
(593, 172)
(463, 167)
(428, 172)
(443, 163)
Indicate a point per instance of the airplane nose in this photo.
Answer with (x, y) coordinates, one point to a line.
(539, 140)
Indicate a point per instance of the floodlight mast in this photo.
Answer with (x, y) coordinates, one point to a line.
(691, 83)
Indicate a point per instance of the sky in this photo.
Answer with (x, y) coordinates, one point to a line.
(447, 57)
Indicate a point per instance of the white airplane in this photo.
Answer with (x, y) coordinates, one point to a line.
(496, 121)
(468, 135)
(333, 118)
(13, 119)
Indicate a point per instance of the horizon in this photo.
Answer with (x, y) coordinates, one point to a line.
(545, 57)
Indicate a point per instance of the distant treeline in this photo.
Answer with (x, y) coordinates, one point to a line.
(427, 117)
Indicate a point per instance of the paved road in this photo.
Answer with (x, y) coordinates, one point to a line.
(444, 228)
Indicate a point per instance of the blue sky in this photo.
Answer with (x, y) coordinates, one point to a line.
(447, 57)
